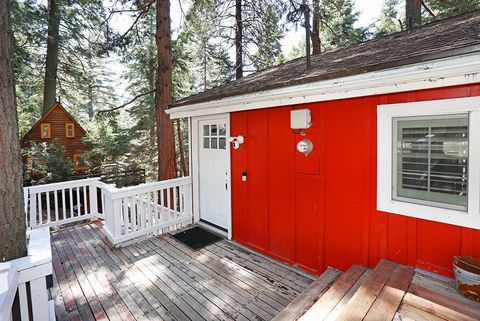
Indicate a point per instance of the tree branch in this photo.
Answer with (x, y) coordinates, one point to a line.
(127, 103)
(424, 5)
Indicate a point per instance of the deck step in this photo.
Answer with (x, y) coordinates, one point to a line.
(309, 296)
(362, 300)
(333, 297)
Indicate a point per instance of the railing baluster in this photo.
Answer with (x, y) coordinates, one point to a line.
(141, 210)
(180, 197)
(175, 200)
(40, 214)
(55, 200)
(126, 220)
(85, 212)
(64, 205)
(71, 203)
(79, 204)
(133, 213)
(48, 206)
(155, 206)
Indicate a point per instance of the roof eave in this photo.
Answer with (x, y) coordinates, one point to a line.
(451, 68)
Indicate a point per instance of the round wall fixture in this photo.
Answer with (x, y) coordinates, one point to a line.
(305, 146)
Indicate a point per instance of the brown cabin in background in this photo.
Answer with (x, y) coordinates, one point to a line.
(59, 126)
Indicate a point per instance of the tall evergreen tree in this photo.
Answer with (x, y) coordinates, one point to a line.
(12, 216)
(267, 40)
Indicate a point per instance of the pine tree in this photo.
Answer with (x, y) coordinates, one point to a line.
(444, 9)
(267, 40)
(12, 216)
(390, 20)
(337, 24)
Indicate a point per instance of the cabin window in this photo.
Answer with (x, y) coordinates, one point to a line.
(423, 160)
(45, 130)
(69, 130)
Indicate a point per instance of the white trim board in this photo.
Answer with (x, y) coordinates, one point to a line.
(385, 201)
(457, 70)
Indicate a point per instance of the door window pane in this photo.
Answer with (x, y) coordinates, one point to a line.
(223, 130)
(432, 159)
(206, 130)
(214, 130)
(206, 142)
(222, 143)
(213, 142)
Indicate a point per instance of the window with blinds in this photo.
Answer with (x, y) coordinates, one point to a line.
(431, 160)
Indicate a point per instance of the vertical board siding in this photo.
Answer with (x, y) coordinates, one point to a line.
(320, 210)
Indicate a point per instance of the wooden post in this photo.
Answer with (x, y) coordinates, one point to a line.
(93, 206)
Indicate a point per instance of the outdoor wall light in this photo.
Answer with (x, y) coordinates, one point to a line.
(236, 141)
(300, 119)
(305, 146)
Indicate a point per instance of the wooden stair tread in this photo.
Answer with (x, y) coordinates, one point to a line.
(445, 301)
(434, 308)
(298, 306)
(343, 302)
(408, 312)
(327, 302)
(388, 301)
(362, 300)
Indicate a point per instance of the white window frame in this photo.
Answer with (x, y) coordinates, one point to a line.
(385, 160)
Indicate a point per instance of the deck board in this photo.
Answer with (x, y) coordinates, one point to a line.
(161, 279)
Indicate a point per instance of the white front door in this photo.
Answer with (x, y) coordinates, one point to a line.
(213, 171)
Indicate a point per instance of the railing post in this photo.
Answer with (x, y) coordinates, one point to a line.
(188, 200)
(92, 190)
(33, 208)
(117, 215)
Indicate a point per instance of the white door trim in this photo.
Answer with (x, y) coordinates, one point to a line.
(195, 168)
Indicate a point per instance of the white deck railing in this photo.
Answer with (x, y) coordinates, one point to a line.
(146, 209)
(29, 272)
(129, 212)
(61, 203)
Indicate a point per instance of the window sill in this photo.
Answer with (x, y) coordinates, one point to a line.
(430, 213)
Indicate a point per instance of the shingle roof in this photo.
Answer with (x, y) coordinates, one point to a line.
(435, 40)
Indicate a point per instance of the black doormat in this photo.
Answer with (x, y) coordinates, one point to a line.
(196, 238)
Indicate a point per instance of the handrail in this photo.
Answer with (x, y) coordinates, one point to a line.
(145, 188)
(60, 185)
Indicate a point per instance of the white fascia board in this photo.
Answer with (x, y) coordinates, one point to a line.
(457, 70)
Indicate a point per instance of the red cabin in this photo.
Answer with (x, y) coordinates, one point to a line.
(59, 125)
(371, 153)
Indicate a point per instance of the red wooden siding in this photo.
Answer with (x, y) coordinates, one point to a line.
(320, 210)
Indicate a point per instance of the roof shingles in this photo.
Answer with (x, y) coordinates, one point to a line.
(434, 40)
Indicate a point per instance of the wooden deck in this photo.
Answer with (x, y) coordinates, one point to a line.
(161, 279)
(389, 292)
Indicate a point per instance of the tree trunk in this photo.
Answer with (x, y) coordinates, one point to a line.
(315, 35)
(51, 61)
(238, 40)
(12, 216)
(163, 96)
(413, 13)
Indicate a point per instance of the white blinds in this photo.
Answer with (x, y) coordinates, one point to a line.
(432, 159)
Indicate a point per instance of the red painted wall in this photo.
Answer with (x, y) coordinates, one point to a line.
(320, 210)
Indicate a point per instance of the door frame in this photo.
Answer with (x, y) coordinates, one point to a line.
(195, 163)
